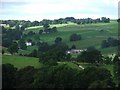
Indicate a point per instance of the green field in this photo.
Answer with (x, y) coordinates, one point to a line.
(91, 35)
(22, 61)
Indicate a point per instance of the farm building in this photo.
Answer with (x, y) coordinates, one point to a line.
(112, 56)
(4, 25)
(75, 51)
(28, 43)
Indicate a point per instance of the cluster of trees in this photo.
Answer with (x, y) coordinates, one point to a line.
(117, 69)
(90, 56)
(12, 39)
(105, 20)
(58, 40)
(110, 42)
(56, 76)
(23, 23)
(78, 21)
(22, 44)
(89, 20)
(47, 29)
(10, 35)
(94, 56)
(75, 37)
(13, 48)
(55, 52)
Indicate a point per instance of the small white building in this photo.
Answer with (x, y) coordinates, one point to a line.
(4, 25)
(75, 51)
(28, 43)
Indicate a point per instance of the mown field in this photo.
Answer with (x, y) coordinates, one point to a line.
(91, 35)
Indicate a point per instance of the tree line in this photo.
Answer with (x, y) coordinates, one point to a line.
(28, 23)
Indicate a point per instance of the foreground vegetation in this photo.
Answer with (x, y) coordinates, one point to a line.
(57, 76)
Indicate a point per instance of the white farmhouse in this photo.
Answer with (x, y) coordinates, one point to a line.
(28, 43)
(75, 51)
(4, 25)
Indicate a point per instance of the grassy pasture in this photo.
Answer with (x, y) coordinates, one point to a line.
(21, 61)
(91, 35)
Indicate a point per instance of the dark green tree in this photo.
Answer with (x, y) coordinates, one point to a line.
(116, 69)
(13, 48)
(41, 31)
(22, 44)
(54, 52)
(107, 60)
(24, 77)
(56, 77)
(108, 84)
(58, 40)
(93, 56)
(43, 47)
(46, 27)
(35, 23)
(90, 75)
(6, 42)
(54, 29)
(75, 37)
(8, 73)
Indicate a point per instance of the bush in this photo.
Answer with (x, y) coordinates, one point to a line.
(75, 37)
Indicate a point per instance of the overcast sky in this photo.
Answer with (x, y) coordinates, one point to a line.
(53, 9)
